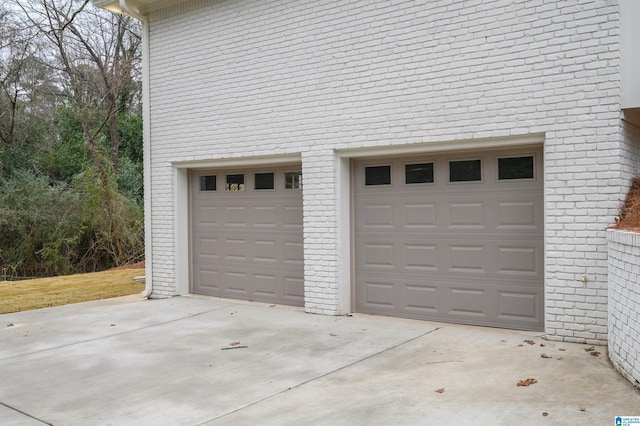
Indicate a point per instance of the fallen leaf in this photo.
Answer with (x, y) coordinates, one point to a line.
(545, 414)
(10, 325)
(595, 353)
(520, 345)
(589, 349)
(234, 343)
(561, 349)
(583, 409)
(545, 356)
(331, 334)
(441, 390)
(531, 342)
(527, 382)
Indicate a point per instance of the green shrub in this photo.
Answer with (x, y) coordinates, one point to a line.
(41, 226)
(57, 229)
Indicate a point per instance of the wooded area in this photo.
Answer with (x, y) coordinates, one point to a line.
(71, 184)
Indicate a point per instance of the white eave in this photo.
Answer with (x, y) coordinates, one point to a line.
(143, 7)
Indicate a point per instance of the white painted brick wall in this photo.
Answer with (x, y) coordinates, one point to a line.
(624, 303)
(268, 77)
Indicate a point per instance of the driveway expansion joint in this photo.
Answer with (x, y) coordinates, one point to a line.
(368, 357)
(25, 414)
(108, 336)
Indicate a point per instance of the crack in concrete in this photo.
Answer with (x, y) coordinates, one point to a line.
(368, 357)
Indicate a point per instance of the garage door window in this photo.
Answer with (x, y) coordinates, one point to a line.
(263, 181)
(235, 182)
(515, 168)
(293, 180)
(208, 183)
(418, 173)
(377, 175)
(465, 171)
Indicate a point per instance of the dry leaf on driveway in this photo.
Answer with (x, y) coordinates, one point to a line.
(527, 382)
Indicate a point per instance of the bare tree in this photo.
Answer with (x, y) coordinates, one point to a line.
(95, 53)
(17, 50)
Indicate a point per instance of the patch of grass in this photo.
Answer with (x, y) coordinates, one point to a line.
(18, 296)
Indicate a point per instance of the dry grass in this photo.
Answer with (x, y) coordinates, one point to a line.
(44, 292)
(630, 210)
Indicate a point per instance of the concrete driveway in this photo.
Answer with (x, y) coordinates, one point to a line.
(203, 361)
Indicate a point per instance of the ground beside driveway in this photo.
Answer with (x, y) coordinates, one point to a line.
(162, 362)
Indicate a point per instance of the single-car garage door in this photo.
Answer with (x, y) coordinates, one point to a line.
(246, 234)
(454, 238)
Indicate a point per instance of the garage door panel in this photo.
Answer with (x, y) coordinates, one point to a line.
(421, 257)
(265, 251)
(421, 298)
(248, 244)
(457, 255)
(265, 285)
(467, 301)
(265, 217)
(467, 252)
(378, 294)
(237, 249)
(519, 304)
(444, 299)
(293, 218)
(207, 216)
(467, 259)
(293, 253)
(522, 261)
(378, 216)
(207, 278)
(236, 216)
(467, 215)
(236, 282)
(516, 215)
(208, 248)
(378, 255)
(420, 216)
(294, 289)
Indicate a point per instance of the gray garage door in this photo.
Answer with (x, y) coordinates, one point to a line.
(247, 234)
(454, 238)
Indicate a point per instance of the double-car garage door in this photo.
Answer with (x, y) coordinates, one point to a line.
(443, 237)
